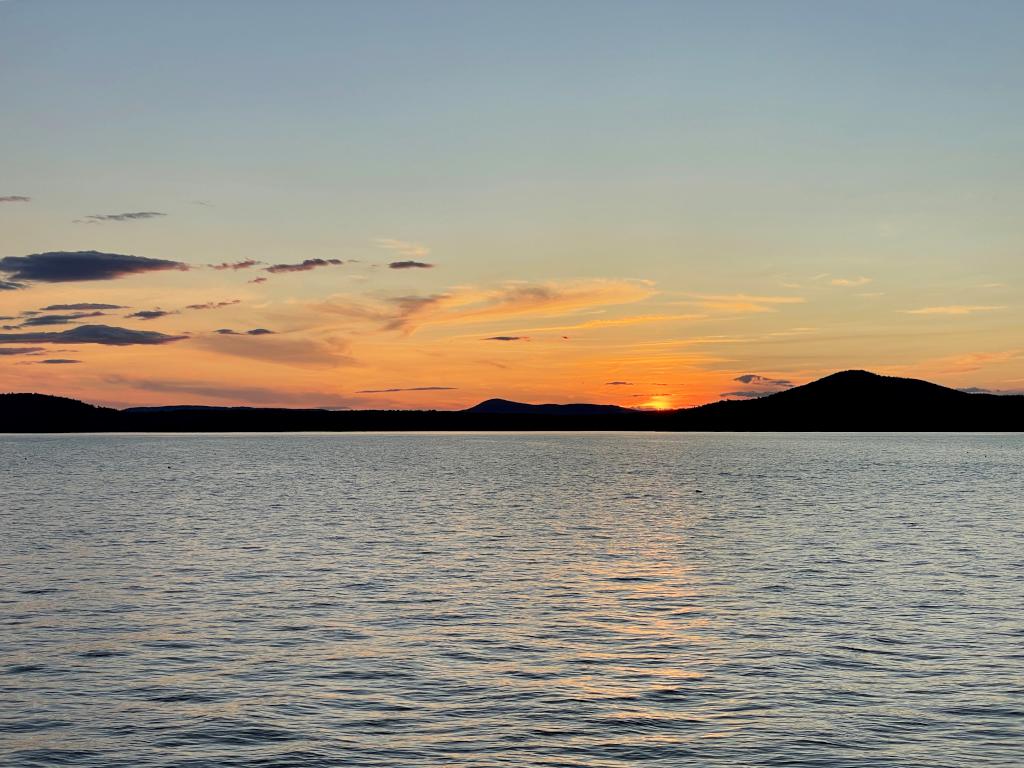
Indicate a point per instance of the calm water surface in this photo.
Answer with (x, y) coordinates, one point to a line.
(512, 600)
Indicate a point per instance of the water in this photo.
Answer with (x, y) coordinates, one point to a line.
(512, 600)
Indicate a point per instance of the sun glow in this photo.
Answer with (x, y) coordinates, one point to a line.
(657, 403)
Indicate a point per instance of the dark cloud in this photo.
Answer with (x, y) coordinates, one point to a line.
(90, 334)
(753, 378)
(748, 393)
(304, 266)
(618, 383)
(66, 307)
(134, 216)
(402, 389)
(37, 320)
(68, 266)
(258, 280)
(507, 338)
(15, 199)
(983, 391)
(760, 386)
(214, 304)
(151, 314)
(236, 264)
(7, 285)
(410, 265)
(58, 361)
(252, 332)
(8, 351)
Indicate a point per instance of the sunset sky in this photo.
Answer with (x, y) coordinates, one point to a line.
(426, 204)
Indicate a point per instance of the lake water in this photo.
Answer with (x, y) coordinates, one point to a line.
(512, 600)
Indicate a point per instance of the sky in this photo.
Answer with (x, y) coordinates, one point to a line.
(423, 205)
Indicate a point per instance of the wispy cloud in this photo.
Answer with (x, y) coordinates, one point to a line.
(304, 266)
(58, 361)
(507, 338)
(237, 394)
(618, 383)
(82, 305)
(953, 309)
(151, 314)
(10, 351)
(251, 332)
(63, 319)
(410, 265)
(403, 389)
(743, 303)
(235, 265)
(467, 305)
(133, 216)
(274, 349)
(214, 304)
(15, 199)
(850, 282)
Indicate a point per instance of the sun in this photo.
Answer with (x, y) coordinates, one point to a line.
(657, 403)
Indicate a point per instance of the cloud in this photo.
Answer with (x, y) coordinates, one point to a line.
(57, 361)
(760, 386)
(410, 265)
(90, 334)
(57, 319)
(135, 216)
(507, 338)
(983, 391)
(59, 307)
(9, 351)
(954, 309)
(276, 349)
(236, 394)
(467, 305)
(753, 378)
(258, 280)
(15, 199)
(403, 247)
(975, 361)
(69, 266)
(151, 314)
(214, 304)
(253, 332)
(304, 266)
(618, 383)
(6, 285)
(847, 282)
(741, 302)
(403, 389)
(234, 265)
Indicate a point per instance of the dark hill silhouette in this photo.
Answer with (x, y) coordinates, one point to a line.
(846, 401)
(860, 400)
(498, 405)
(26, 412)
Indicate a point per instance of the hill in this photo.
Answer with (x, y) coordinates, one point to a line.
(497, 405)
(846, 401)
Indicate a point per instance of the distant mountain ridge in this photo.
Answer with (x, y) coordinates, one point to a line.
(497, 405)
(844, 401)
